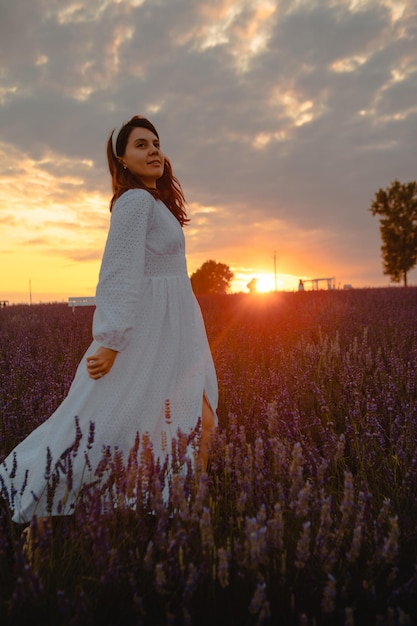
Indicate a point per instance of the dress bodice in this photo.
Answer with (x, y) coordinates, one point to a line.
(165, 244)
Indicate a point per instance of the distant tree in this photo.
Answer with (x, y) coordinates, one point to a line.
(397, 206)
(211, 277)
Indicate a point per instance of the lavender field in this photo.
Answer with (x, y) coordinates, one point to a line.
(308, 514)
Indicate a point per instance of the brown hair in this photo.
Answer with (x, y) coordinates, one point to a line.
(168, 188)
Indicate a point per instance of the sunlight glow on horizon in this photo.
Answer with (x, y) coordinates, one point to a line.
(265, 282)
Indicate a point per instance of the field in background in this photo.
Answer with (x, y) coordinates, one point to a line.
(309, 512)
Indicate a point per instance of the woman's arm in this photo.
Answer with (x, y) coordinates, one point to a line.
(121, 274)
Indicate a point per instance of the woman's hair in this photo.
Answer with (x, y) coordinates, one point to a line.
(168, 188)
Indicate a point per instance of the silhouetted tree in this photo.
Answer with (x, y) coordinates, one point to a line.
(211, 277)
(397, 206)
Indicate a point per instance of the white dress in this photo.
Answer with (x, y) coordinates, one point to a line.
(146, 310)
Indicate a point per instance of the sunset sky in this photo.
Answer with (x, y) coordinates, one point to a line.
(282, 118)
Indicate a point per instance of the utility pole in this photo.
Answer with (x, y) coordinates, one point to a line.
(30, 291)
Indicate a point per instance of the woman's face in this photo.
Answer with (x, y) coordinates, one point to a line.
(143, 156)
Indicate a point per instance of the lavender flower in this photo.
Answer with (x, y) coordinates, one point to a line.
(259, 604)
(328, 602)
(303, 546)
(223, 566)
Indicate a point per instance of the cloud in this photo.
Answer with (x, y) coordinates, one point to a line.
(284, 117)
(75, 254)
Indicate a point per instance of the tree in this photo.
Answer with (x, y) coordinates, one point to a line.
(397, 206)
(211, 277)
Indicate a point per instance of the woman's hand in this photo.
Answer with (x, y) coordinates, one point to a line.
(100, 363)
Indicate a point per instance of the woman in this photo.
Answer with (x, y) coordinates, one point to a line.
(149, 353)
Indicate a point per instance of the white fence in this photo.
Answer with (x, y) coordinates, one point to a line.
(81, 301)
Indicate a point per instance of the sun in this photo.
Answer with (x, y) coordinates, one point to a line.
(265, 283)
(262, 283)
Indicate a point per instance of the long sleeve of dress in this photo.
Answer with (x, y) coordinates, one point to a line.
(122, 269)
